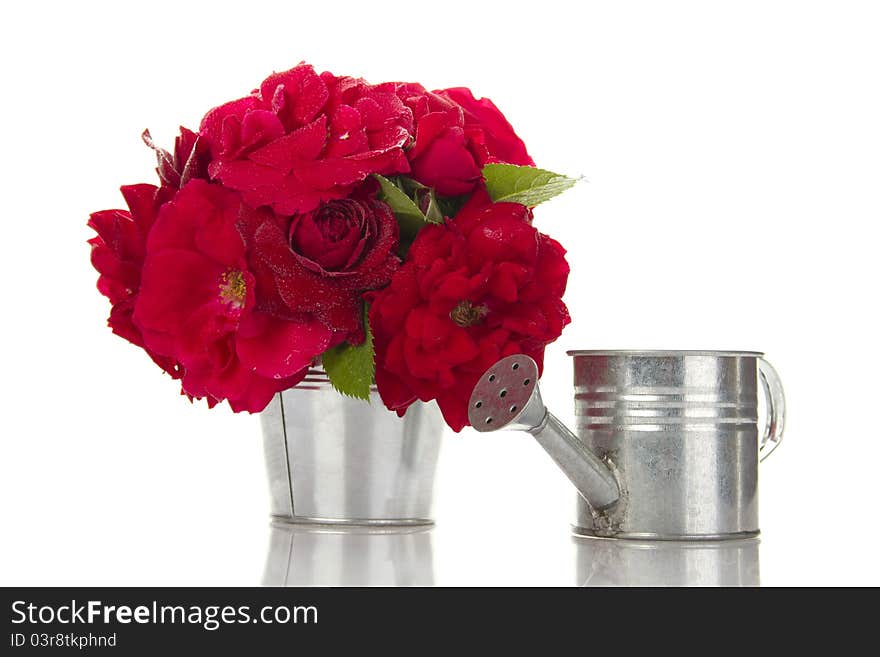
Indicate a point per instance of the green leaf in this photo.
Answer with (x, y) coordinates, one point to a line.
(351, 369)
(410, 219)
(528, 186)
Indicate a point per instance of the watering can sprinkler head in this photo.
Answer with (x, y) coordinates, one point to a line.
(507, 397)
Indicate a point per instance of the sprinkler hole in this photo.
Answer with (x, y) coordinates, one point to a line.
(503, 393)
(491, 377)
(478, 404)
(488, 420)
(513, 409)
(516, 366)
(527, 382)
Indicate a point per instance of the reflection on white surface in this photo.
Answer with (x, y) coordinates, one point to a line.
(615, 562)
(314, 555)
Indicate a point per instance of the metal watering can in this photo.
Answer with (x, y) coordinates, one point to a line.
(667, 443)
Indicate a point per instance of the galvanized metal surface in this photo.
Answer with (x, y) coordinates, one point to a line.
(680, 431)
(336, 460)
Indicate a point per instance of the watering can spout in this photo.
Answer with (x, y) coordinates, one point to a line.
(507, 397)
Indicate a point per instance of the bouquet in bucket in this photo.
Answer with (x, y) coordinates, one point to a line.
(382, 231)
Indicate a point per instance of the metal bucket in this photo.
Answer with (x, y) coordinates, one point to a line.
(333, 459)
(679, 430)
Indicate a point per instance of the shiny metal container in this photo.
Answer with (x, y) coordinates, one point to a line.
(332, 459)
(679, 430)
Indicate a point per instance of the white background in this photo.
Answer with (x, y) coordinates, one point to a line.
(733, 157)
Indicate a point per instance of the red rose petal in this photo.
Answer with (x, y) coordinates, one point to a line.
(258, 128)
(212, 127)
(296, 95)
(141, 200)
(281, 348)
(447, 165)
(174, 283)
(287, 151)
(499, 138)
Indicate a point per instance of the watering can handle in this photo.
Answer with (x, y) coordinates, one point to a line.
(775, 425)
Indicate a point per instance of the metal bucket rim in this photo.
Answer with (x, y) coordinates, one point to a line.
(664, 352)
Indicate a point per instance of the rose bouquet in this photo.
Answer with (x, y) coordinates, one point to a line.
(381, 230)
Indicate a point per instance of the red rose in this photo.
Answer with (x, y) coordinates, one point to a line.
(304, 138)
(323, 260)
(197, 304)
(483, 286)
(118, 255)
(490, 135)
(455, 136)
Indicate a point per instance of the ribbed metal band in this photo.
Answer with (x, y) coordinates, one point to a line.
(355, 522)
(648, 536)
(656, 408)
